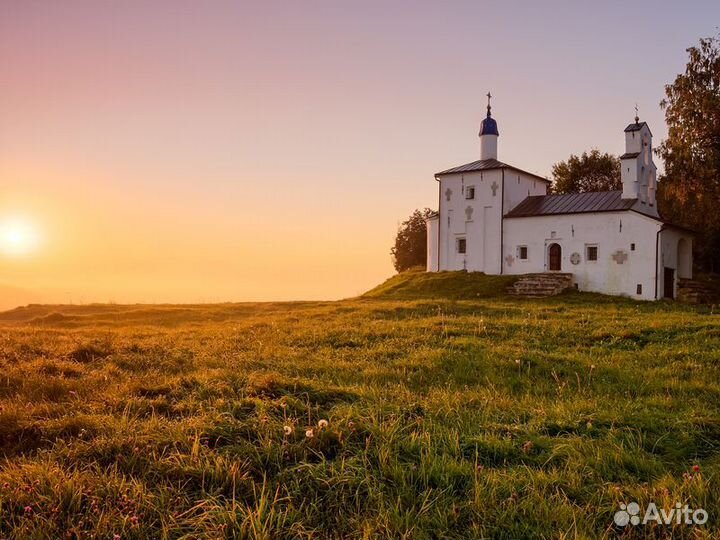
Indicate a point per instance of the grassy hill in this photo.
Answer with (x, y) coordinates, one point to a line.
(452, 411)
(416, 284)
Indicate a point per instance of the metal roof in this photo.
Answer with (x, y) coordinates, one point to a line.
(629, 155)
(572, 203)
(637, 126)
(489, 126)
(486, 165)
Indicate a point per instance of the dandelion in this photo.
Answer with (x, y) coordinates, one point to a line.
(322, 424)
(309, 433)
(288, 430)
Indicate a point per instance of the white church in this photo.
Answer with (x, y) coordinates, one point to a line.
(498, 219)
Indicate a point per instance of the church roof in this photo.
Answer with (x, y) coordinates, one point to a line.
(629, 155)
(637, 126)
(487, 165)
(572, 203)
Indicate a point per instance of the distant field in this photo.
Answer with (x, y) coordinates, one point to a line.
(488, 417)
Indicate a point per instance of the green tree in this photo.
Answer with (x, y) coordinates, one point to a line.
(594, 171)
(410, 247)
(689, 189)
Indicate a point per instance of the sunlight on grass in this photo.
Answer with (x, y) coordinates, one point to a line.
(422, 417)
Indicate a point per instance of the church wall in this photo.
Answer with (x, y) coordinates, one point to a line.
(432, 244)
(620, 267)
(477, 220)
(518, 186)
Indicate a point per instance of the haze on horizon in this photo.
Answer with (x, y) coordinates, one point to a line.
(178, 151)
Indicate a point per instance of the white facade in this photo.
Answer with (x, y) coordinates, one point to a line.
(612, 242)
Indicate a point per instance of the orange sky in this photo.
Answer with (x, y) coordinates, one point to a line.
(180, 151)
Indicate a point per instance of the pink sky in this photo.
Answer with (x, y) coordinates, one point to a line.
(186, 151)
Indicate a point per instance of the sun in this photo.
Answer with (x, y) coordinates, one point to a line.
(17, 237)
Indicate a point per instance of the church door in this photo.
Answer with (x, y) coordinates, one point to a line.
(554, 257)
(669, 283)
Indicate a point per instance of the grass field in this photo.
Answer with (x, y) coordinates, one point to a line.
(446, 417)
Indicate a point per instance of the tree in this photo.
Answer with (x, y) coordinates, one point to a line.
(689, 189)
(410, 247)
(595, 171)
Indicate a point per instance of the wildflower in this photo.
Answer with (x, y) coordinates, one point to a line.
(264, 419)
(288, 430)
(322, 424)
(28, 510)
(696, 468)
(592, 366)
(351, 424)
(116, 537)
(517, 361)
(309, 433)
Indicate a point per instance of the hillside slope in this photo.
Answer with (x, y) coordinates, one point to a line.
(419, 284)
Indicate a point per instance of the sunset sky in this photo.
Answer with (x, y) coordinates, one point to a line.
(185, 151)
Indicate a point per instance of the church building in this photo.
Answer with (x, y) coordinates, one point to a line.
(499, 219)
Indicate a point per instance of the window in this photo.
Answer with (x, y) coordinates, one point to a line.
(522, 252)
(639, 288)
(632, 247)
(591, 253)
(461, 245)
(470, 192)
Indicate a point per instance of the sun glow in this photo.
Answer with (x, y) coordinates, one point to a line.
(17, 237)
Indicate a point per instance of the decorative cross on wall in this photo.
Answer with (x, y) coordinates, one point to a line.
(469, 212)
(448, 194)
(619, 256)
(494, 188)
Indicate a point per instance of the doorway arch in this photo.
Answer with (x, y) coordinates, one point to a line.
(554, 257)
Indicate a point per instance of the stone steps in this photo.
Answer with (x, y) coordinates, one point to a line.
(541, 285)
(695, 292)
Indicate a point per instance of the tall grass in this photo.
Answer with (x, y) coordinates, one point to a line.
(396, 415)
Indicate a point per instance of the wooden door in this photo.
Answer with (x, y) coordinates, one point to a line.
(554, 257)
(669, 283)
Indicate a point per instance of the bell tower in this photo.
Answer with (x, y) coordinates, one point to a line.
(638, 172)
(488, 135)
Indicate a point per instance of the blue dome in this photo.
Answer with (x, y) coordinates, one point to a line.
(489, 126)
